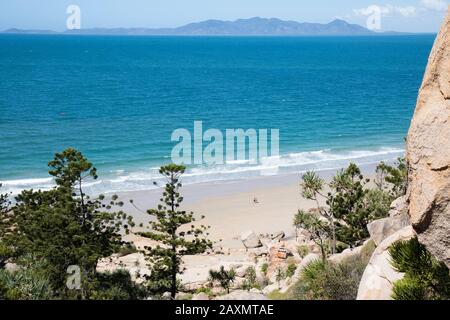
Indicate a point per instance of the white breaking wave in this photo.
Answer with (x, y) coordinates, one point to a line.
(123, 180)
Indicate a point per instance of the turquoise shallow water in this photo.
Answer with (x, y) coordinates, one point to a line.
(118, 99)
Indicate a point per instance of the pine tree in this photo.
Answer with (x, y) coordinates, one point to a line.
(347, 205)
(64, 227)
(169, 230)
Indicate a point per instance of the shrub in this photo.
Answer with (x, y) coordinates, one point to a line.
(205, 290)
(116, 285)
(126, 249)
(223, 277)
(250, 279)
(425, 277)
(264, 268)
(324, 280)
(327, 281)
(28, 283)
(280, 275)
(302, 251)
(290, 271)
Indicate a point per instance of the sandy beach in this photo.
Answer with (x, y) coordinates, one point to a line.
(229, 206)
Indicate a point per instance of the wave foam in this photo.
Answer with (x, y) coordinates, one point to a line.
(123, 180)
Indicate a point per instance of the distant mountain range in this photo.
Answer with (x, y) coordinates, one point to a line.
(252, 26)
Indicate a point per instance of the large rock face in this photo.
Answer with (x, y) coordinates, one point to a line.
(250, 240)
(383, 228)
(379, 275)
(428, 152)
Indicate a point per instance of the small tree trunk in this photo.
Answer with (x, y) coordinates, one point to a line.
(333, 230)
(173, 292)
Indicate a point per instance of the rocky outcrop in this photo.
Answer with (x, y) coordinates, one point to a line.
(348, 254)
(428, 152)
(383, 228)
(278, 235)
(399, 206)
(251, 240)
(379, 275)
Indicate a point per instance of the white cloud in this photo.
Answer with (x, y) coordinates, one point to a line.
(407, 11)
(387, 10)
(436, 5)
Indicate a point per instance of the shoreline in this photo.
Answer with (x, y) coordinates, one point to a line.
(141, 180)
(229, 208)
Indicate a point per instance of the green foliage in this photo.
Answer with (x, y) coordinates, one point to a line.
(347, 206)
(30, 282)
(5, 251)
(324, 280)
(206, 290)
(63, 226)
(312, 185)
(425, 277)
(280, 275)
(290, 271)
(302, 250)
(393, 178)
(4, 202)
(250, 281)
(117, 285)
(376, 204)
(165, 259)
(126, 249)
(264, 268)
(224, 277)
(70, 168)
(319, 229)
(327, 281)
(350, 206)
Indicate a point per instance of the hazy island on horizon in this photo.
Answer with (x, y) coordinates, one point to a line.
(240, 27)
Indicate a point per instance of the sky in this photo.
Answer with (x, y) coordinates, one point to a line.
(395, 15)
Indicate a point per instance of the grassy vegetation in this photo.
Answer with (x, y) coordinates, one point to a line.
(325, 280)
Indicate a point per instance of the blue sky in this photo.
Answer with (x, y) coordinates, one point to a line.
(400, 15)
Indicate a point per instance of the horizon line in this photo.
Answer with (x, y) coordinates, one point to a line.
(98, 28)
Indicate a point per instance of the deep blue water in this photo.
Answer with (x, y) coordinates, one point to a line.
(118, 99)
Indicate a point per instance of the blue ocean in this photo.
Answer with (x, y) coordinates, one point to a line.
(118, 100)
